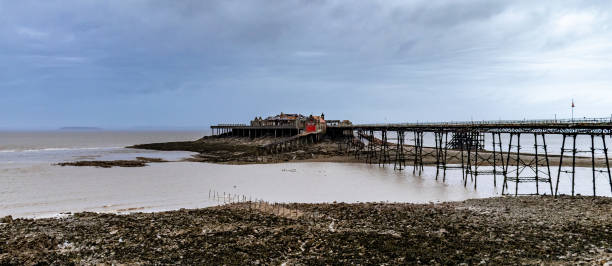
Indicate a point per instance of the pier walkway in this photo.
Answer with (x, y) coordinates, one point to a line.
(467, 141)
(460, 146)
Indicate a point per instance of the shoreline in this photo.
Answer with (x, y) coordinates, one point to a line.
(242, 151)
(499, 230)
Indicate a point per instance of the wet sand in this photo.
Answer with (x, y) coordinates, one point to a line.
(505, 230)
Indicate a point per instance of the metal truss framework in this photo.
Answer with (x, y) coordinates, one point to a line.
(465, 147)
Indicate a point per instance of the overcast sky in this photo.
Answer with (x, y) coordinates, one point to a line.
(123, 64)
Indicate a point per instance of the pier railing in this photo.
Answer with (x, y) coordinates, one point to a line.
(541, 122)
(230, 125)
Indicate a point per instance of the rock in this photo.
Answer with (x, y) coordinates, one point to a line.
(6, 219)
(106, 164)
(338, 233)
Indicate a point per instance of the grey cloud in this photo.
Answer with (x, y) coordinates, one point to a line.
(352, 51)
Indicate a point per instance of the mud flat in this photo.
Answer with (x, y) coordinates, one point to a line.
(505, 230)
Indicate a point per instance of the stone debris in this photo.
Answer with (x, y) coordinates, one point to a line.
(139, 162)
(530, 230)
(240, 150)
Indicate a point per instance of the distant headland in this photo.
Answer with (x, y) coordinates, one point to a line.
(80, 128)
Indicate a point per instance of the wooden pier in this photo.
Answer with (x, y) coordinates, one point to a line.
(467, 141)
(458, 146)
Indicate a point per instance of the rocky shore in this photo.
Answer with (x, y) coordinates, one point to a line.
(236, 150)
(239, 150)
(139, 162)
(507, 230)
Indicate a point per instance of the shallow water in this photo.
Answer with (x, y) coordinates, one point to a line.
(32, 186)
(58, 140)
(43, 190)
(39, 190)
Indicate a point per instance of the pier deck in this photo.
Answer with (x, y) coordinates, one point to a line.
(402, 143)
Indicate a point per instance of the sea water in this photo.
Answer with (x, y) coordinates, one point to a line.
(32, 185)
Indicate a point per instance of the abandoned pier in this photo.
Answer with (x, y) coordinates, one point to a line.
(457, 146)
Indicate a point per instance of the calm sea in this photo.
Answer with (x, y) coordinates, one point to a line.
(31, 185)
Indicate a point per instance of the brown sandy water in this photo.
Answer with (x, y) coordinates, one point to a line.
(46, 190)
(32, 186)
(41, 190)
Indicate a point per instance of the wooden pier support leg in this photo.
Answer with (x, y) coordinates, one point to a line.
(368, 150)
(469, 159)
(574, 151)
(416, 152)
(403, 155)
(605, 150)
(477, 135)
(436, 136)
(376, 149)
(501, 154)
(494, 162)
(537, 161)
(547, 162)
(399, 151)
(505, 184)
(382, 148)
(384, 154)
(593, 161)
(518, 160)
(362, 149)
(357, 146)
(420, 152)
(387, 150)
(445, 155)
(348, 143)
(371, 147)
(360, 137)
(463, 175)
(560, 164)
